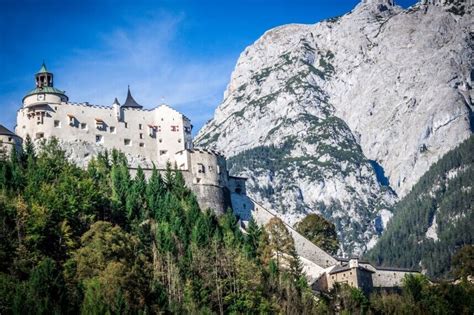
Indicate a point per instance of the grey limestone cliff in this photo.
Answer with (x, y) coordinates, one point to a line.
(344, 116)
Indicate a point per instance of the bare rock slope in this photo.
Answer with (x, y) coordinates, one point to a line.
(344, 116)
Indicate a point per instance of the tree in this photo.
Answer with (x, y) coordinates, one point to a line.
(463, 262)
(320, 232)
(110, 264)
(280, 240)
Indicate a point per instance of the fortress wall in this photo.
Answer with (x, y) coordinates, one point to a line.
(207, 167)
(77, 122)
(388, 278)
(246, 207)
(237, 185)
(214, 197)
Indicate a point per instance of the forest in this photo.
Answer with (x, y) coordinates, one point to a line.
(443, 198)
(99, 241)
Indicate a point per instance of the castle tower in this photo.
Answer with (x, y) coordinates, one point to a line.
(117, 109)
(130, 101)
(45, 92)
(44, 78)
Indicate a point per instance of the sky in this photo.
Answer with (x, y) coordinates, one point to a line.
(178, 52)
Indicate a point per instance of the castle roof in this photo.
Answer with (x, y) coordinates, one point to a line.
(45, 89)
(5, 132)
(43, 69)
(116, 102)
(130, 101)
(341, 268)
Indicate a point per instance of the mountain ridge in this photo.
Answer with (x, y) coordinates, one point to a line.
(349, 93)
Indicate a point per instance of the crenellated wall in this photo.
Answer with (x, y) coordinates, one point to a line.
(154, 134)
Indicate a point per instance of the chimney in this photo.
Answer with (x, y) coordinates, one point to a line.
(353, 263)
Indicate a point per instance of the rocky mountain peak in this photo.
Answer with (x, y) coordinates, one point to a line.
(337, 117)
(376, 7)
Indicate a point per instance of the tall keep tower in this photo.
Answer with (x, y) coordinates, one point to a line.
(45, 92)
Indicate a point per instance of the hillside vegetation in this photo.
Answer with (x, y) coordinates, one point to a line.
(98, 241)
(435, 219)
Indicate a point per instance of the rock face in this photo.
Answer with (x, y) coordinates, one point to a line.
(342, 116)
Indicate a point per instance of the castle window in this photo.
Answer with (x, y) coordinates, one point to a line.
(57, 124)
(160, 140)
(99, 139)
(126, 125)
(141, 144)
(39, 135)
(100, 124)
(83, 126)
(112, 129)
(71, 120)
(218, 169)
(179, 140)
(141, 136)
(201, 168)
(127, 142)
(174, 128)
(211, 168)
(163, 152)
(9, 139)
(140, 126)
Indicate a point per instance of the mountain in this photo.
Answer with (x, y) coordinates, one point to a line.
(344, 116)
(442, 223)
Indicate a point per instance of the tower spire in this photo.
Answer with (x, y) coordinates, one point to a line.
(130, 101)
(43, 77)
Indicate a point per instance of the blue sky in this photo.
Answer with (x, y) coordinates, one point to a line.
(177, 50)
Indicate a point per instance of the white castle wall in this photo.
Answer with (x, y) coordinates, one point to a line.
(154, 134)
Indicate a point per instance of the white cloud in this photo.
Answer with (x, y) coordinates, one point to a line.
(144, 54)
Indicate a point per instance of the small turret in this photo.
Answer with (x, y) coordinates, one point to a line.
(130, 101)
(44, 92)
(44, 77)
(117, 109)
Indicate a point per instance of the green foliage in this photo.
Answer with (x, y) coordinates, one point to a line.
(463, 262)
(319, 231)
(438, 192)
(100, 241)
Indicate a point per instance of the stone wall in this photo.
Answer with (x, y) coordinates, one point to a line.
(8, 143)
(389, 278)
(155, 134)
(216, 198)
(247, 208)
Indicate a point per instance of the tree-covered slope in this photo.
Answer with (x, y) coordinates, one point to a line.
(98, 241)
(435, 219)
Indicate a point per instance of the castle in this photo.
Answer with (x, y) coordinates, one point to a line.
(163, 136)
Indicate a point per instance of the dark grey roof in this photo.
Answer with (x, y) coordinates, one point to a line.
(343, 259)
(341, 268)
(394, 269)
(5, 132)
(130, 101)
